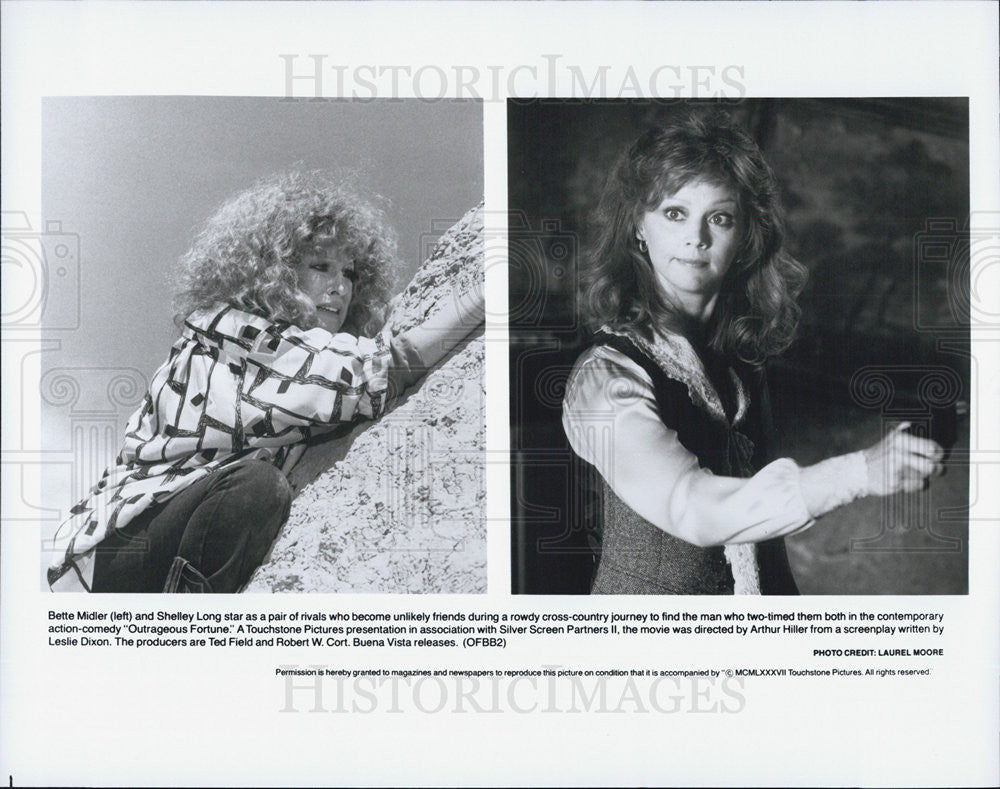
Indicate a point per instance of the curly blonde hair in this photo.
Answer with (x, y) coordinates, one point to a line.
(248, 253)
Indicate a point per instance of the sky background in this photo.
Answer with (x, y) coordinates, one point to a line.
(128, 180)
(133, 178)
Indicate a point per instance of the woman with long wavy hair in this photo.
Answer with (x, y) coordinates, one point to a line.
(689, 291)
(281, 302)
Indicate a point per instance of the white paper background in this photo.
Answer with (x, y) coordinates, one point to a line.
(172, 717)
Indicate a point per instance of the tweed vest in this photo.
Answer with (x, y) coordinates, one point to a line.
(638, 558)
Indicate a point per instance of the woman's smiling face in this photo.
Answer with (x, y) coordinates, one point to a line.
(692, 237)
(326, 276)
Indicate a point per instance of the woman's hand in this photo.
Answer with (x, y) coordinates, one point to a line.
(901, 462)
(418, 349)
(459, 316)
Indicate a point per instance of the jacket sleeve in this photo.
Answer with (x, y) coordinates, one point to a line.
(302, 378)
(611, 421)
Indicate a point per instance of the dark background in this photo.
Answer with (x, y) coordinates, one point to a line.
(876, 193)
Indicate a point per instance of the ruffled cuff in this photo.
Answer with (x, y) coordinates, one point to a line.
(837, 481)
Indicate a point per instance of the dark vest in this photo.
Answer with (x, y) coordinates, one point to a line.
(638, 558)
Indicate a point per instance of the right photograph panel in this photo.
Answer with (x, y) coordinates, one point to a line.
(739, 346)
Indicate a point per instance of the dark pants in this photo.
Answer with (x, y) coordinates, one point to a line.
(208, 538)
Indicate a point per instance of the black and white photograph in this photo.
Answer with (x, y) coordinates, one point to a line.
(577, 393)
(739, 346)
(268, 287)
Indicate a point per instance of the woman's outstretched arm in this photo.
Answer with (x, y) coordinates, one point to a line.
(899, 462)
(417, 350)
(611, 420)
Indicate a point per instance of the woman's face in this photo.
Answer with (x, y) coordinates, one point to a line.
(326, 276)
(692, 237)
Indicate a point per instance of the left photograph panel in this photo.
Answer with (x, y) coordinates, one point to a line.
(262, 351)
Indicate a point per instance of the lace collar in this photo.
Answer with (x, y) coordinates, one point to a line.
(675, 355)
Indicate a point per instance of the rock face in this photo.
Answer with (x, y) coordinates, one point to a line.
(399, 505)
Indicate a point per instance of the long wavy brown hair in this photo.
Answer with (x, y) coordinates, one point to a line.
(248, 253)
(755, 315)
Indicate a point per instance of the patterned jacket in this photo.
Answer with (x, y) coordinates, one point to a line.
(235, 386)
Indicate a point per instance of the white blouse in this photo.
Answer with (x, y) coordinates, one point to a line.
(611, 420)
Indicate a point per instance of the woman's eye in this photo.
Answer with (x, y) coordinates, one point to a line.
(673, 214)
(722, 220)
(321, 267)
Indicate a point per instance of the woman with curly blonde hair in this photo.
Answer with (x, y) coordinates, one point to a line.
(689, 291)
(281, 301)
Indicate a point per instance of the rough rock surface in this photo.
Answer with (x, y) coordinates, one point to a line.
(399, 505)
